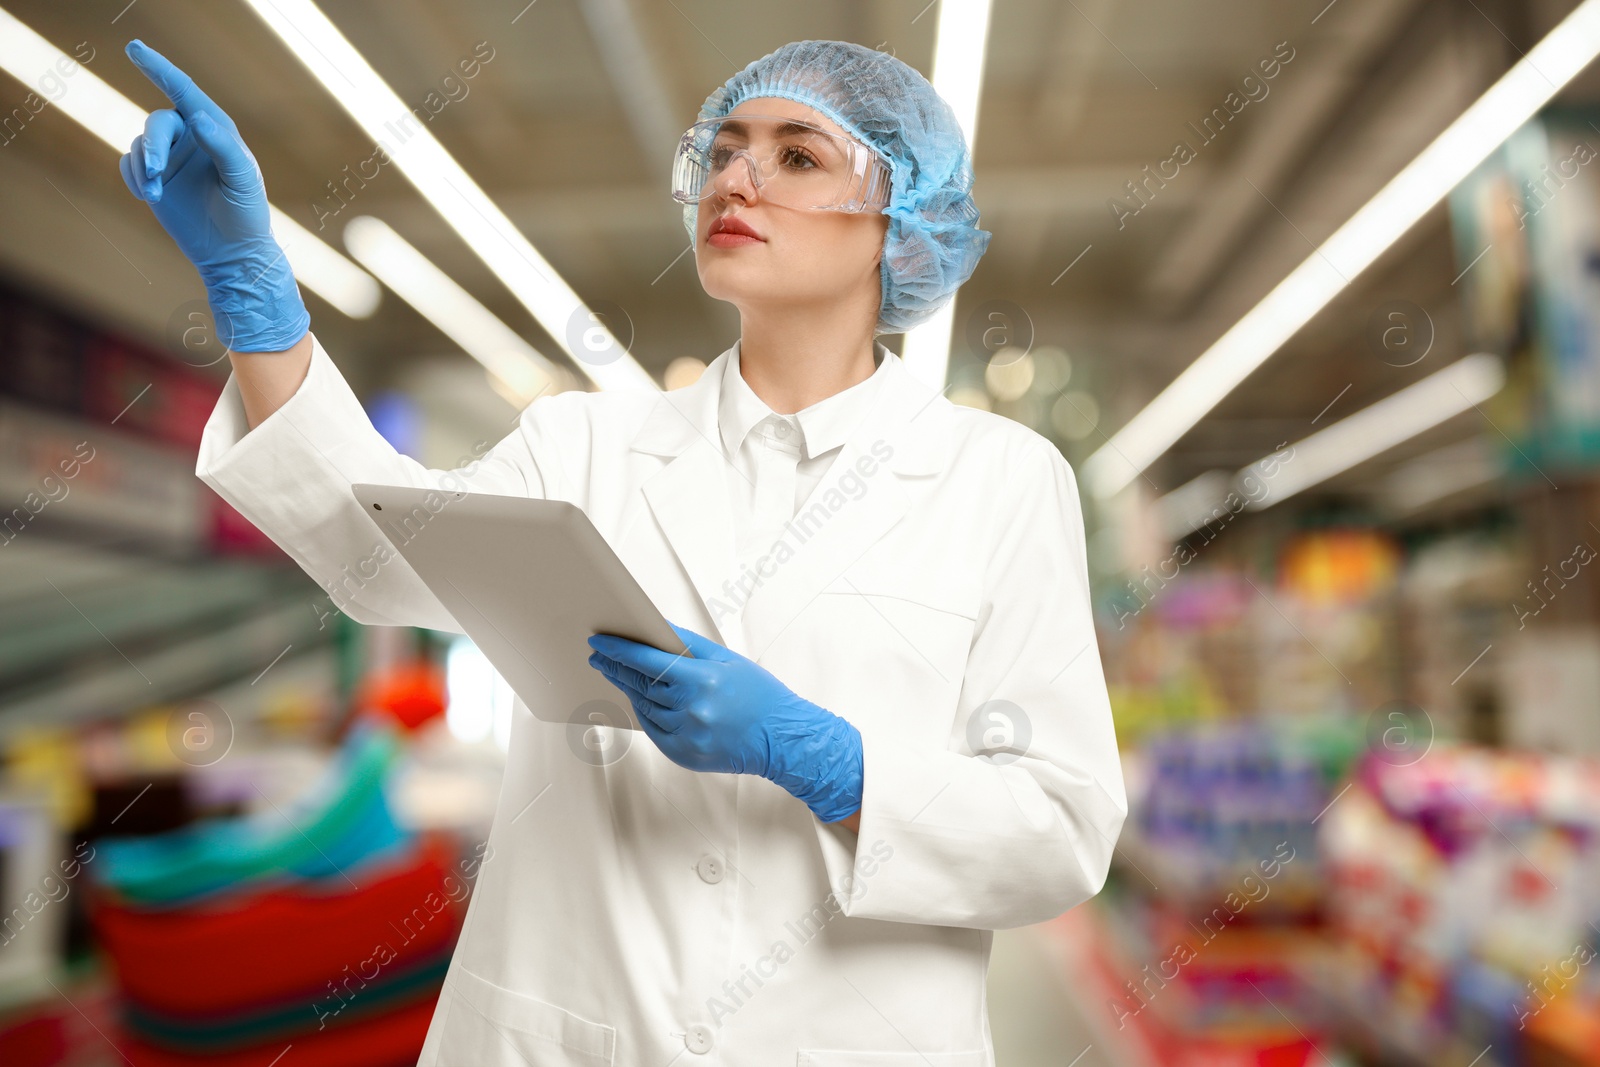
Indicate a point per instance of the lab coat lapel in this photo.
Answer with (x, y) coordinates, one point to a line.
(851, 509)
(689, 496)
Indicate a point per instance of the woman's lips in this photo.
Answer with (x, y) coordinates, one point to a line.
(729, 239)
(729, 231)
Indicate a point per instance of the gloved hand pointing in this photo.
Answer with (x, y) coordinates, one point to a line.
(715, 710)
(204, 187)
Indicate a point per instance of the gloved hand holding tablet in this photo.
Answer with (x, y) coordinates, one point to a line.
(719, 711)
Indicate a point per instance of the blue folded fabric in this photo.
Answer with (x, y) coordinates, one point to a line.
(344, 820)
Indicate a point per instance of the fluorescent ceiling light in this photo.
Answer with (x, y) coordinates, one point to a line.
(1310, 287)
(958, 51)
(116, 120)
(385, 118)
(100, 109)
(1376, 428)
(1444, 472)
(635, 76)
(1193, 504)
(517, 365)
(323, 270)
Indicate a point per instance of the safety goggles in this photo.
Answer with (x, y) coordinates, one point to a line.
(792, 163)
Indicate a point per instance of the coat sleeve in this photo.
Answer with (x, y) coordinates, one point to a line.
(1017, 837)
(291, 476)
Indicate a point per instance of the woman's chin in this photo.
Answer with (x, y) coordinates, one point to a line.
(737, 284)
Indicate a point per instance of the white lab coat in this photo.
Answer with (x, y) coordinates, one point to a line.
(636, 913)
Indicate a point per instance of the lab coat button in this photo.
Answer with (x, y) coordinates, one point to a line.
(710, 869)
(698, 1039)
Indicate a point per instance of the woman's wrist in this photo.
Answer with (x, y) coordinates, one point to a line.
(268, 379)
(834, 793)
(257, 307)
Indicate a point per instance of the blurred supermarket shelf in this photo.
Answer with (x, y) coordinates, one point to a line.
(79, 674)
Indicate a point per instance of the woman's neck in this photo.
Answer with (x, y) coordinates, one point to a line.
(794, 361)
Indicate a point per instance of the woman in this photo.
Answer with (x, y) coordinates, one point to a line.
(885, 596)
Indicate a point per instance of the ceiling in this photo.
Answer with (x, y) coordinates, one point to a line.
(569, 126)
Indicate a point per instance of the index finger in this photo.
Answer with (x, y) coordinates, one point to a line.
(186, 96)
(652, 662)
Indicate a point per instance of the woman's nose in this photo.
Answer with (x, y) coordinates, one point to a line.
(739, 176)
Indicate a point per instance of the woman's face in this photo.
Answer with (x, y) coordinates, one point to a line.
(804, 256)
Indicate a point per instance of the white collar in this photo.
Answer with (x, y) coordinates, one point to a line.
(824, 426)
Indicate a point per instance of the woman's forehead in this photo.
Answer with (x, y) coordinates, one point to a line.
(789, 109)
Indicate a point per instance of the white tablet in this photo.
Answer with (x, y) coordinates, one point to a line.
(529, 581)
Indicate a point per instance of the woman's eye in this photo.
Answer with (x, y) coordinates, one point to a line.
(799, 158)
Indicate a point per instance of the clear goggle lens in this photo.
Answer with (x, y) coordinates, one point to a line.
(790, 162)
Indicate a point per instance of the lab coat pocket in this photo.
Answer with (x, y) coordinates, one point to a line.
(489, 1026)
(915, 629)
(832, 1057)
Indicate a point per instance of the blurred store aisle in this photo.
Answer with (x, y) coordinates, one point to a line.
(1033, 1013)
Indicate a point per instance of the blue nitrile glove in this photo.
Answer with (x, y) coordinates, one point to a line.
(204, 186)
(715, 710)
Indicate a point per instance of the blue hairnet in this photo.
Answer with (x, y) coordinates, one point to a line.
(933, 242)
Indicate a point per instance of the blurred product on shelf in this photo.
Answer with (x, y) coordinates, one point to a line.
(411, 692)
(34, 879)
(347, 917)
(1239, 1000)
(1215, 800)
(1309, 635)
(115, 424)
(332, 844)
(345, 819)
(1163, 664)
(1463, 892)
(1201, 949)
(1526, 221)
(365, 946)
(1344, 565)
